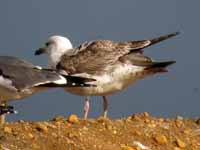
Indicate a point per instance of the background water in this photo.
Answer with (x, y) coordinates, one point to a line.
(26, 25)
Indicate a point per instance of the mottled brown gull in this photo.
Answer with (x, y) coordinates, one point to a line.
(114, 65)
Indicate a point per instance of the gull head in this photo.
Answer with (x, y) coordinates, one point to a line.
(55, 47)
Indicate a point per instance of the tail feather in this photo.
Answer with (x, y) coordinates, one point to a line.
(162, 38)
(139, 45)
(160, 66)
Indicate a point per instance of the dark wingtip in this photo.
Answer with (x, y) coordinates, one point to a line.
(163, 64)
(164, 37)
(78, 79)
(175, 33)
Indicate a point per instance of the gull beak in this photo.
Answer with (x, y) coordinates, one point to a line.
(41, 51)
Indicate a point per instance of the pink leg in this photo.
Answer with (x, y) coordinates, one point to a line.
(105, 106)
(86, 107)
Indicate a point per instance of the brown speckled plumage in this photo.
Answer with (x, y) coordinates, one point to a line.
(96, 56)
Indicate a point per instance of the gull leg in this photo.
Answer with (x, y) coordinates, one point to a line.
(86, 107)
(3, 116)
(105, 106)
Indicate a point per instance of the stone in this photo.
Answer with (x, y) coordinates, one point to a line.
(161, 139)
(73, 119)
(7, 130)
(125, 147)
(180, 143)
(30, 135)
(41, 127)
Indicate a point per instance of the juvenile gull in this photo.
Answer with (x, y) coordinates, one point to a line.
(19, 79)
(114, 65)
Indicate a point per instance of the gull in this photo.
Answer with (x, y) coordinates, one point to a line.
(114, 65)
(19, 79)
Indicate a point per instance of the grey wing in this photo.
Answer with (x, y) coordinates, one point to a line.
(96, 56)
(15, 61)
(24, 77)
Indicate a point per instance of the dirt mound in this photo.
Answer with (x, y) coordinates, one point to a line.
(136, 132)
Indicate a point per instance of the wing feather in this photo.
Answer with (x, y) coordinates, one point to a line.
(96, 56)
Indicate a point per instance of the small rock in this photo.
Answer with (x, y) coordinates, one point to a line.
(41, 127)
(21, 121)
(137, 132)
(135, 117)
(30, 135)
(161, 139)
(114, 132)
(103, 120)
(109, 127)
(7, 130)
(125, 147)
(180, 143)
(187, 131)
(178, 123)
(73, 119)
(177, 148)
(146, 114)
(198, 121)
(54, 134)
(146, 120)
(152, 125)
(161, 120)
(35, 146)
(138, 148)
(179, 118)
(58, 118)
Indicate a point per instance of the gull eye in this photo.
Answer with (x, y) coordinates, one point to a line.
(47, 44)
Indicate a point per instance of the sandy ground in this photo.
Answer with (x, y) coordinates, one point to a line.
(137, 132)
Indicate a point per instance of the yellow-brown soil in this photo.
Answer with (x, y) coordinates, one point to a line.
(136, 132)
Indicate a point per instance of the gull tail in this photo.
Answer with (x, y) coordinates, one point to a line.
(162, 38)
(139, 45)
(160, 66)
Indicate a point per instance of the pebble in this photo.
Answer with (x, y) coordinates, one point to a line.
(114, 132)
(109, 127)
(58, 118)
(146, 120)
(136, 132)
(179, 118)
(135, 117)
(146, 114)
(35, 146)
(187, 131)
(7, 130)
(178, 123)
(152, 125)
(161, 120)
(180, 143)
(125, 147)
(73, 119)
(30, 135)
(41, 127)
(21, 121)
(138, 148)
(161, 139)
(177, 148)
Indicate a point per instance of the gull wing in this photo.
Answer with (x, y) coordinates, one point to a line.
(96, 56)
